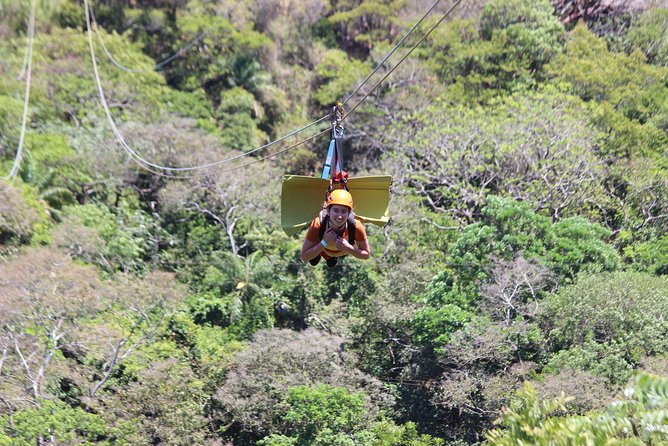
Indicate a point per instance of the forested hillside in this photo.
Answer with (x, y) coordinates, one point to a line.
(518, 295)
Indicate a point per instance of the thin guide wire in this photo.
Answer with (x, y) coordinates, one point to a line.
(26, 100)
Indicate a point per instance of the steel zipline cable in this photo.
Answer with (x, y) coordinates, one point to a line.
(26, 100)
(396, 47)
(142, 162)
(136, 156)
(25, 59)
(405, 56)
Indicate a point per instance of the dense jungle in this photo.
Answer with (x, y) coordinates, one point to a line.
(517, 296)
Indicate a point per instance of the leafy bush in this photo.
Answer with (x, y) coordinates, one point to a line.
(314, 409)
(239, 131)
(17, 218)
(187, 104)
(612, 360)
(435, 326)
(638, 420)
(235, 293)
(529, 29)
(651, 256)
(360, 25)
(388, 434)
(607, 322)
(649, 32)
(117, 241)
(56, 421)
(510, 227)
(63, 92)
(337, 75)
(504, 51)
(166, 402)
(11, 110)
(55, 169)
(592, 391)
(277, 360)
(325, 415)
(238, 115)
(224, 57)
(576, 245)
(632, 86)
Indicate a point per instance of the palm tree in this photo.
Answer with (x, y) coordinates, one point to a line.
(245, 284)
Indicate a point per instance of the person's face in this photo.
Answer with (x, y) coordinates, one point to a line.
(338, 215)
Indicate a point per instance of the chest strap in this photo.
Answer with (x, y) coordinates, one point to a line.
(324, 221)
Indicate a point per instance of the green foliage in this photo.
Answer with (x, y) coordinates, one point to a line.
(649, 32)
(209, 348)
(577, 245)
(389, 434)
(529, 29)
(63, 92)
(53, 166)
(435, 326)
(629, 97)
(607, 322)
(17, 217)
(353, 282)
(120, 241)
(325, 415)
(639, 420)
(444, 290)
(236, 293)
(278, 440)
(237, 100)
(626, 138)
(360, 25)
(613, 360)
(11, 110)
(239, 132)
(337, 75)
(632, 86)
(651, 256)
(312, 410)
(504, 52)
(57, 421)
(517, 227)
(189, 104)
(510, 227)
(525, 418)
(237, 115)
(231, 55)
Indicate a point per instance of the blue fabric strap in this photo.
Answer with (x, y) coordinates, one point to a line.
(328, 161)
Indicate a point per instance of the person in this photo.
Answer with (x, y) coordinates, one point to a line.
(333, 241)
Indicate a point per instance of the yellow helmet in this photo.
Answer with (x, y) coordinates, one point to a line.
(340, 196)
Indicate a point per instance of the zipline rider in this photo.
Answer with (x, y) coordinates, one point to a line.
(335, 232)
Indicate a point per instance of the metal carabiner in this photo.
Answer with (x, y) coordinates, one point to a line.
(337, 114)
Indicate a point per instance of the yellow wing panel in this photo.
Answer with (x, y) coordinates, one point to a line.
(302, 199)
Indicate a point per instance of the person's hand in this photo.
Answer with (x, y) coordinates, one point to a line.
(343, 245)
(330, 236)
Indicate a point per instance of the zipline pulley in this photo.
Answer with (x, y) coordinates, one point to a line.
(333, 168)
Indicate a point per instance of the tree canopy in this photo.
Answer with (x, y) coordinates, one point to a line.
(518, 294)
